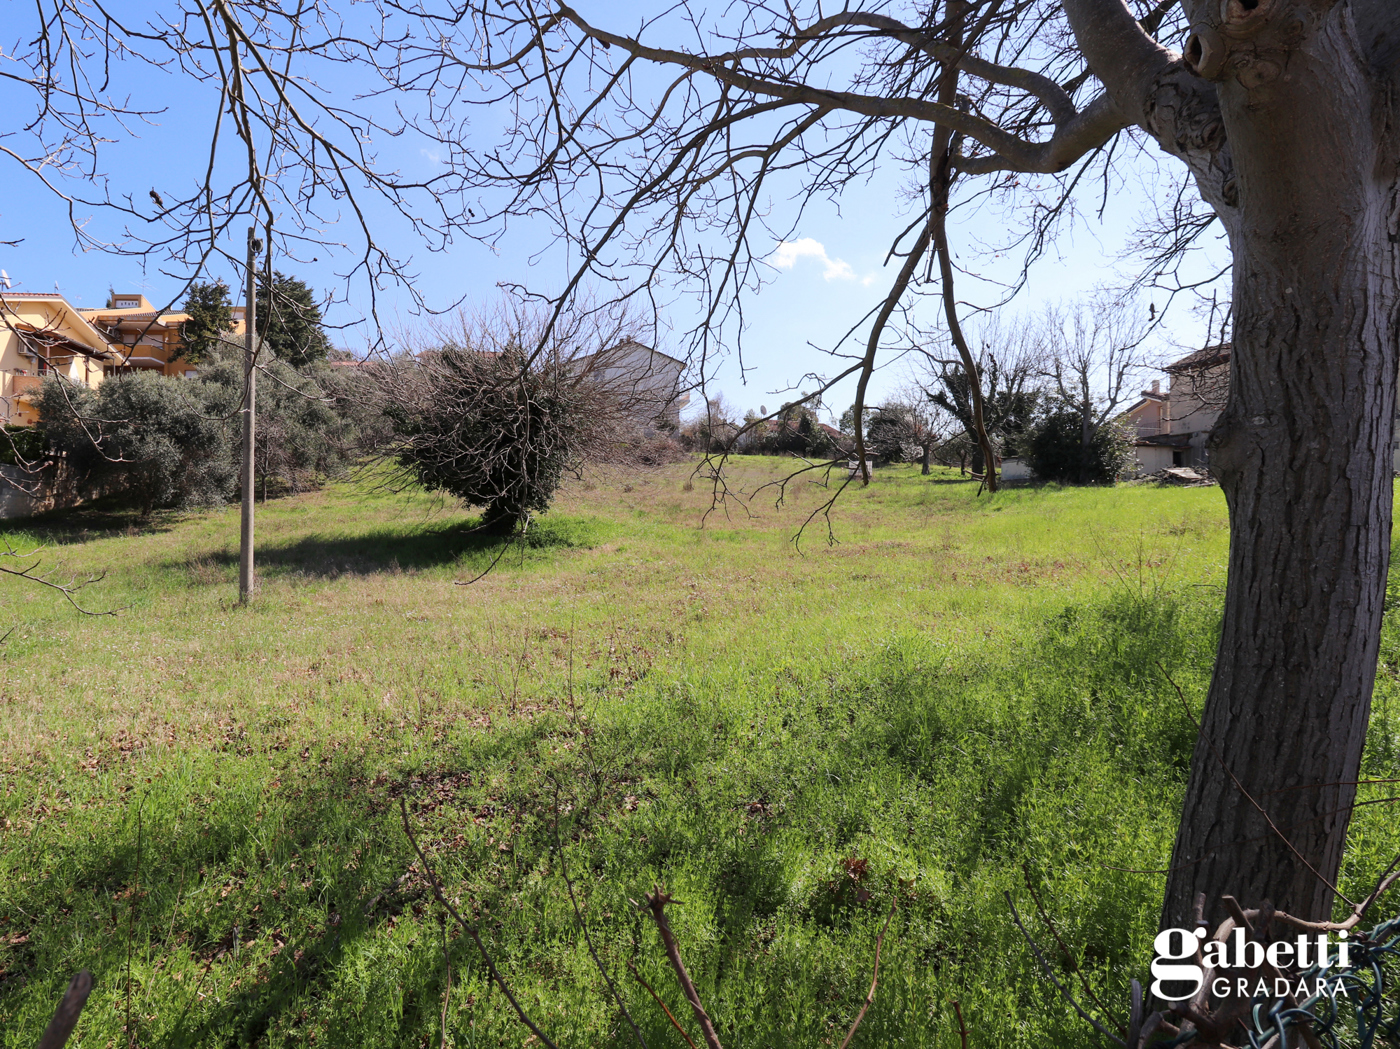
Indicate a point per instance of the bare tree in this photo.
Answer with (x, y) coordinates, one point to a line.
(284, 143)
(1093, 359)
(1009, 359)
(927, 423)
(661, 144)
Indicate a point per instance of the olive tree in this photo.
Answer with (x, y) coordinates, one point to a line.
(477, 415)
(144, 438)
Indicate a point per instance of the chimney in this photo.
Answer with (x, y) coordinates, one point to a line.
(1156, 386)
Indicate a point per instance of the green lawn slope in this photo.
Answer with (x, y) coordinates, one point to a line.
(933, 699)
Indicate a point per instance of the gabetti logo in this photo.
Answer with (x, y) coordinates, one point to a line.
(1236, 961)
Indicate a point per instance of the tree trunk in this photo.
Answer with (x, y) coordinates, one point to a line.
(1086, 439)
(502, 518)
(928, 453)
(1303, 453)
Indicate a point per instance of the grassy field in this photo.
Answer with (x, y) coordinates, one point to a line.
(958, 699)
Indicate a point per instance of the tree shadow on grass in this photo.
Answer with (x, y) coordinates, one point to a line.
(408, 549)
(273, 893)
(100, 519)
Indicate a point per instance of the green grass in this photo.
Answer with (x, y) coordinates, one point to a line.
(958, 699)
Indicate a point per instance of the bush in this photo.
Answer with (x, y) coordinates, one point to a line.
(796, 430)
(302, 433)
(490, 429)
(20, 445)
(1057, 451)
(144, 436)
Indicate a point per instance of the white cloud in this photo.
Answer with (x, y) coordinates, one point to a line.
(790, 251)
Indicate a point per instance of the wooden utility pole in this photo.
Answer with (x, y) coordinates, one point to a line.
(250, 389)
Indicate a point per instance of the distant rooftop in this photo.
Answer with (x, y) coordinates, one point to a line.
(1208, 357)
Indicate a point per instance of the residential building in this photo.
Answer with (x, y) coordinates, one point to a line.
(143, 338)
(42, 334)
(1172, 427)
(646, 381)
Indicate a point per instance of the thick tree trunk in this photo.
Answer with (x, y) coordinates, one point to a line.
(1303, 453)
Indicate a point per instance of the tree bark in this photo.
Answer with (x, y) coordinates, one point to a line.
(1303, 454)
(1291, 142)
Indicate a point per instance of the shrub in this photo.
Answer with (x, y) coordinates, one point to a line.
(143, 436)
(303, 435)
(20, 445)
(796, 430)
(1057, 451)
(490, 428)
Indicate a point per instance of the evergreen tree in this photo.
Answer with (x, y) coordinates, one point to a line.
(211, 319)
(290, 320)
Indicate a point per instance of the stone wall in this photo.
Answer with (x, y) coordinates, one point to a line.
(52, 486)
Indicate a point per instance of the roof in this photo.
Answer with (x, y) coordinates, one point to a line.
(1169, 440)
(79, 317)
(135, 315)
(53, 340)
(625, 343)
(1146, 399)
(1208, 357)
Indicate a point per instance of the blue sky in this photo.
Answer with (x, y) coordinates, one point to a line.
(829, 273)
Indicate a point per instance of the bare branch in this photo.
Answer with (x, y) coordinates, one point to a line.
(655, 905)
(470, 930)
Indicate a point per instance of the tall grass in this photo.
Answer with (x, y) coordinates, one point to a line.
(960, 699)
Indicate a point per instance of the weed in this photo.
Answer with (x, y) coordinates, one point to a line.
(789, 741)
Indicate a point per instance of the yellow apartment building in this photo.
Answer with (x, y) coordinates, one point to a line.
(42, 334)
(140, 337)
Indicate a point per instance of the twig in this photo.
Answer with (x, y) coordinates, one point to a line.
(447, 994)
(1200, 734)
(656, 905)
(70, 1007)
(505, 545)
(669, 1015)
(587, 938)
(68, 590)
(1016, 917)
(874, 977)
(131, 925)
(1135, 1016)
(1083, 981)
(962, 1027)
(470, 930)
(195, 995)
(1388, 878)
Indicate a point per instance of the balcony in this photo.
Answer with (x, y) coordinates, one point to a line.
(22, 387)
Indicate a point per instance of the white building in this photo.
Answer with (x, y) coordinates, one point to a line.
(648, 382)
